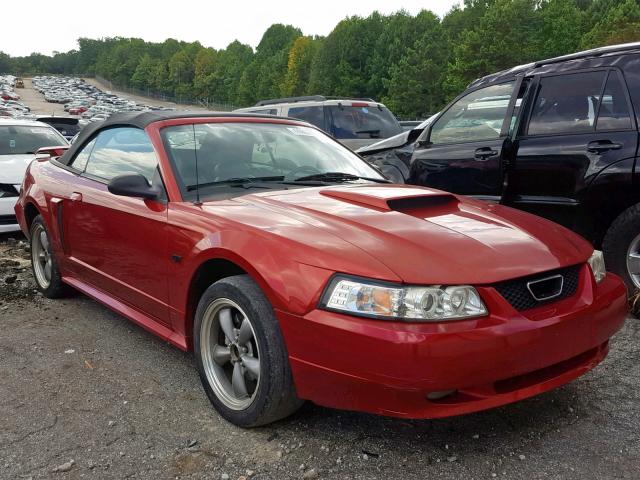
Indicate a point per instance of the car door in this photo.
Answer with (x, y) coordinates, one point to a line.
(118, 244)
(463, 150)
(579, 123)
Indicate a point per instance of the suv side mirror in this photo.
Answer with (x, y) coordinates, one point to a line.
(133, 185)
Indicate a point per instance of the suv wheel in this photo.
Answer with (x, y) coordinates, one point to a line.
(622, 247)
(241, 355)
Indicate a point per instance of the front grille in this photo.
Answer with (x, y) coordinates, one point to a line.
(8, 220)
(518, 295)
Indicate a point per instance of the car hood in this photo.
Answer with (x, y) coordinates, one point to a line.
(398, 140)
(429, 236)
(357, 143)
(391, 142)
(12, 168)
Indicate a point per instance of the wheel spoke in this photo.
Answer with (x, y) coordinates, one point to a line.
(47, 270)
(238, 382)
(246, 333)
(221, 355)
(227, 324)
(633, 263)
(252, 365)
(44, 241)
(42, 256)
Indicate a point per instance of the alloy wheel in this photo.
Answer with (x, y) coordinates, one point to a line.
(633, 261)
(230, 354)
(41, 256)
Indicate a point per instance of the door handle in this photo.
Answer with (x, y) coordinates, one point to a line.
(484, 153)
(75, 197)
(601, 146)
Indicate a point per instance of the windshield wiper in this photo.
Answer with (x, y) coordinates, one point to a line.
(235, 181)
(339, 176)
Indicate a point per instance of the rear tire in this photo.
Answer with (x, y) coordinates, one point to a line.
(44, 263)
(241, 356)
(621, 247)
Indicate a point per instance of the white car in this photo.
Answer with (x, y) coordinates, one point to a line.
(19, 142)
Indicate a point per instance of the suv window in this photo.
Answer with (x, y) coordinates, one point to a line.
(122, 150)
(566, 103)
(614, 110)
(349, 122)
(476, 116)
(313, 115)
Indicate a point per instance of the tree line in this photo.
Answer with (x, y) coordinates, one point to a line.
(412, 63)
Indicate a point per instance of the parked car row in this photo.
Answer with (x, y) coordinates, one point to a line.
(10, 104)
(83, 99)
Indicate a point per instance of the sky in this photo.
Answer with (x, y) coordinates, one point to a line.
(54, 26)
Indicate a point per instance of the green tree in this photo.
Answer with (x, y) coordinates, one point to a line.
(562, 25)
(619, 23)
(505, 36)
(143, 77)
(300, 59)
(265, 75)
(415, 84)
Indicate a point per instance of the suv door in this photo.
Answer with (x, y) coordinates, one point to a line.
(119, 244)
(579, 123)
(462, 151)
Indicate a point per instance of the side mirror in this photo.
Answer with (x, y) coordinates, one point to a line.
(133, 185)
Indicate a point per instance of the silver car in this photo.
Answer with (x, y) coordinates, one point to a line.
(354, 122)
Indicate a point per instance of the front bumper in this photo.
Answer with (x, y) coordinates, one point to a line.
(389, 368)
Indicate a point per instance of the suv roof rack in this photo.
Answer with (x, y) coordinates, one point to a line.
(307, 98)
(594, 52)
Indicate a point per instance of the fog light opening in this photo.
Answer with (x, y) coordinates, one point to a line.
(440, 395)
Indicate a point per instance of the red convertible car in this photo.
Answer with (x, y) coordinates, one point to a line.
(295, 271)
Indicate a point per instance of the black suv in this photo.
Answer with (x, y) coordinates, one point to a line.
(558, 138)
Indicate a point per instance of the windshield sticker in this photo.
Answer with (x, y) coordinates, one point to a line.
(12, 144)
(300, 131)
(365, 110)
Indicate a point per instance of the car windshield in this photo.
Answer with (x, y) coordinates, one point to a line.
(363, 122)
(223, 155)
(23, 139)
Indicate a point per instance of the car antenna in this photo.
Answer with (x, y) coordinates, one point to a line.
(195, 153)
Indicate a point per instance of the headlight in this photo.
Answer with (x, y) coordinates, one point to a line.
(596, 262)
(396, 302)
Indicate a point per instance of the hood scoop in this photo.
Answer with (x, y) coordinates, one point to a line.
(399, 198)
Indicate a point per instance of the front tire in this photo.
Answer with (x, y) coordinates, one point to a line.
(44, 263)
(241, 355)
(621, 247)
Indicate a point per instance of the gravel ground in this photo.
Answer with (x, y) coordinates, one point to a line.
(86, 394)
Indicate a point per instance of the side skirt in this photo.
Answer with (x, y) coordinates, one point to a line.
(137, 317)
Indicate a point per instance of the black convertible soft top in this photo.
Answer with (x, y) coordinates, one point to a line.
(143, 119)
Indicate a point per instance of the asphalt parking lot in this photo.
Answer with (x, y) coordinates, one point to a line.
(87, 394)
